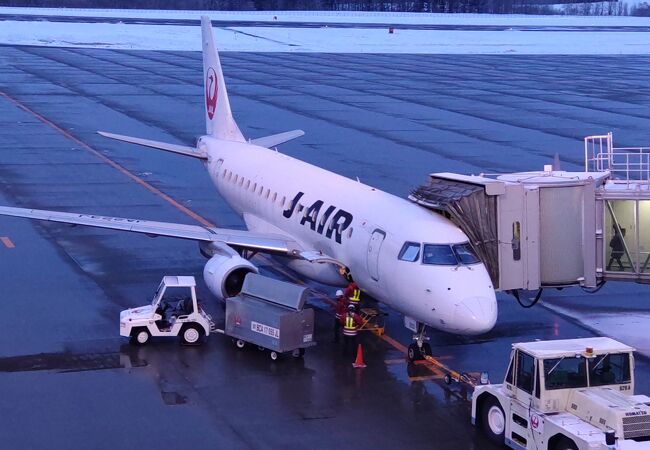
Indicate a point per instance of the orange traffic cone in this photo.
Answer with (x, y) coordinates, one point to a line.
(358, 363)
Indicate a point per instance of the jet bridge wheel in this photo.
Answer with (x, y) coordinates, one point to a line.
(493, 420)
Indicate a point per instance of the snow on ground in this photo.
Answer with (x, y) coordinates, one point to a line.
(344, 17)
(334, 40)
(629, 327)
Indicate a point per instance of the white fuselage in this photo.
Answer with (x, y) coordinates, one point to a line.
(360, 226)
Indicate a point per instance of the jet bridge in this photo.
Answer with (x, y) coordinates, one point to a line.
(555, 228)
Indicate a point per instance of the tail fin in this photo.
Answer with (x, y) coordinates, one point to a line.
(218, 116)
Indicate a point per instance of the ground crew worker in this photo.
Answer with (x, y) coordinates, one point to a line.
(351, 324)
(340, 309)
(353, 293)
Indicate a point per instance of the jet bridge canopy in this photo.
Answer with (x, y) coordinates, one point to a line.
(469, 206)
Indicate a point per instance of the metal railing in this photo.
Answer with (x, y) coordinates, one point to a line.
(628, 164)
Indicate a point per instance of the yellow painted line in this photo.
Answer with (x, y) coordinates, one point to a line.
(394, 343)
(427, 377)
(7, 242)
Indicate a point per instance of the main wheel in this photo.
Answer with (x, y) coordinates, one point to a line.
(565, 444)
(426, 349)
(191, 335)
(140, 336)
(493, 420)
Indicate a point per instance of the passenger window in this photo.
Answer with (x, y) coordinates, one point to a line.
(349, 232)
(275, 196)
(525, 372)
(235, 179)
(465, 253)
(248, 184)
(441, 255)
(410, 252)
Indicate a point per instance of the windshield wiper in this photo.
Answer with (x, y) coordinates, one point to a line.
(600, 361)
(555, 366)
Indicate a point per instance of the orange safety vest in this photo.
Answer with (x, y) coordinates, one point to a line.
(356, 296)
(350, 328)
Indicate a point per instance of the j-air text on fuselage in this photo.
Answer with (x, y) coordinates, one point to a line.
(325, 226)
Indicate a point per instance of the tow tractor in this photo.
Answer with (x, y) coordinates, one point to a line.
(169, 314)
(573, 394)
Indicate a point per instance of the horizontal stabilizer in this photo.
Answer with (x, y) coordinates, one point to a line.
(277, 139)
(180, 149)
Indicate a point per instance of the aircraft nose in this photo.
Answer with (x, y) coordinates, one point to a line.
(476, 315)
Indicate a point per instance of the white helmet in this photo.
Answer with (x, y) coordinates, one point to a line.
(339, 293)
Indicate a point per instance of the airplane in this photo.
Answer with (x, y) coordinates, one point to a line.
(324, 226)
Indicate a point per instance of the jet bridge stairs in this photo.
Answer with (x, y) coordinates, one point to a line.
(554, 228)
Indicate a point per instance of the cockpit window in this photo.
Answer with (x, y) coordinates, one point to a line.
(465, 253)
(439, 254)
(410, 252)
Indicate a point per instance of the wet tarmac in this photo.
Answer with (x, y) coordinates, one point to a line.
(66, 378)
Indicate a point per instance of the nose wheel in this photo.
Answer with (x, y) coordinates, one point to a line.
(420, 348)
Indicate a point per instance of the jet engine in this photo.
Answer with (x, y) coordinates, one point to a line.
(224, 274)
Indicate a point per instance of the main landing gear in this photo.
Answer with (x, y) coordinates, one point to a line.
(420, 348)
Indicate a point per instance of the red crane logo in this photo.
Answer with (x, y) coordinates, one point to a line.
(211, 90)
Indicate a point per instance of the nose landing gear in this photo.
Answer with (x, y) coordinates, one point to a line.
(420, 348)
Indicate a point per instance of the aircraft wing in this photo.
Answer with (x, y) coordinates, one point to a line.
(271, 243)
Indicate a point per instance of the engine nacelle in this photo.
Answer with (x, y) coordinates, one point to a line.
(224, 275)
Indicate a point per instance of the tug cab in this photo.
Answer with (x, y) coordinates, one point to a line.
(565, 395)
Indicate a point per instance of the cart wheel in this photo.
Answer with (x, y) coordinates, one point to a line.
(298, 353)
(274, 355)
(260, 348)
(239, 343)
(447, 379)
(140, 336)
(191, 335)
